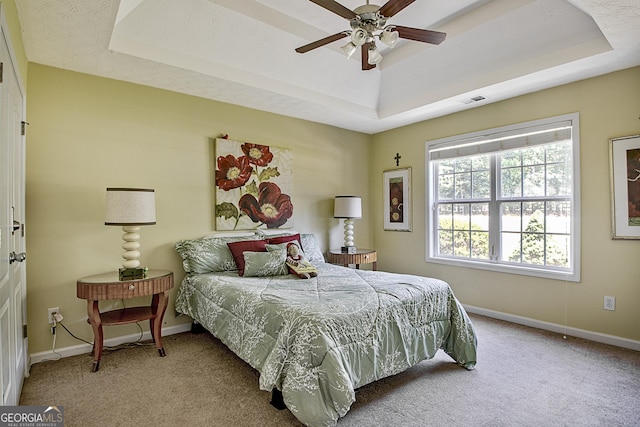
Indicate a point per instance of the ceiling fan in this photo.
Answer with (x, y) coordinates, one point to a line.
(368, 22)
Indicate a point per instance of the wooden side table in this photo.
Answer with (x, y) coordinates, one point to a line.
(107, 286)
(361, 256)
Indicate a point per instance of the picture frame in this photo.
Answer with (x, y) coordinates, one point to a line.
(624, 159)
(397, 199)
(253, 186)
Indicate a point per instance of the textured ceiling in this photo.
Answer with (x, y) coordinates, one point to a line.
(242, 52)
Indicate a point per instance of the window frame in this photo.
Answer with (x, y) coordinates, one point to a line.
(573, 272)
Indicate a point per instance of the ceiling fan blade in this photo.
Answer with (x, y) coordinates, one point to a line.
(426, 36)
(336, 8)
(365, 57)
(321, 42)
(392, 7)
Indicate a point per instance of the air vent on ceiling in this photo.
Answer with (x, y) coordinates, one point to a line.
(473, 99)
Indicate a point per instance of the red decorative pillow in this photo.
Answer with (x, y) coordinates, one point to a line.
(285, 239)
(237, 249)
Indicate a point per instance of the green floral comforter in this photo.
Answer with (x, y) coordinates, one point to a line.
(318, 340)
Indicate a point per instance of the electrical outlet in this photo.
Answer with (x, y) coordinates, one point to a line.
(50, 312)
(610, 303)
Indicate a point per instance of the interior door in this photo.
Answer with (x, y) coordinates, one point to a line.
(13, 340)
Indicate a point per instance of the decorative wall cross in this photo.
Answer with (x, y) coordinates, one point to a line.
(398, 157)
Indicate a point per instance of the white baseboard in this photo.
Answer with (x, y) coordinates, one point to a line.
(554, 327)
(74, 350)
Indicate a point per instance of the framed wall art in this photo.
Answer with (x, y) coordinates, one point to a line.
(624, 156)
(253, 186)
(397, 199)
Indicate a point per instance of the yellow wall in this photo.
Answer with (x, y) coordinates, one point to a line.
(609, 107)
(88, 133)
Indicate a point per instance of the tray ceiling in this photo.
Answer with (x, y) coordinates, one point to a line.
(242, 52)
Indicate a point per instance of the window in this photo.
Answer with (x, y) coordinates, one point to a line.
(507, 199)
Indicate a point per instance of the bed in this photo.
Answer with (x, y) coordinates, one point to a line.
(316, 341)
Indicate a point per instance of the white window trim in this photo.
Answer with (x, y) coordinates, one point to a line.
(574, 275)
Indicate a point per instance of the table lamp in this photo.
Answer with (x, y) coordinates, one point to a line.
(349, 208)
(131, 208)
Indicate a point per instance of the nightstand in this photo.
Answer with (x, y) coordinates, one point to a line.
(361, 256)
(107, 286)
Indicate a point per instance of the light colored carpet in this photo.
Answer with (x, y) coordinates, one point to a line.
(524, 377)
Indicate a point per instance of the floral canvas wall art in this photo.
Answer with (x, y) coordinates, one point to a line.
(253, 186)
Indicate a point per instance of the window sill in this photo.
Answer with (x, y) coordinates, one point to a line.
(510, 269)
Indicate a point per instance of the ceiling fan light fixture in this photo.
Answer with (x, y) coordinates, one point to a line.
(359, 36)
(389, 37)
(349, 49)
(374, 56)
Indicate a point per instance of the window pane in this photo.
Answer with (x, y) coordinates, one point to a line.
(480, 216)
(446, 166)
(533, 156)
(481, 162)
(481, 185)
(463, 185)
(510, 159)
(445, 242)
(511, 180)
(463, 165)
(558, 179)
(558, 250)
(559, 152)
(461, 243)
(461, 216)
(533, 216)
(445, 187)
(533, 181)
(511, 219)
(558, 217)
(445, 217)
(533, 246)
(510, 247)
(480, 244)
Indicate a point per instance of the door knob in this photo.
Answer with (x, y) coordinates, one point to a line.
(14, 257)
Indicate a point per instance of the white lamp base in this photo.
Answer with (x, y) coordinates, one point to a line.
(349, 246)
(131, 245)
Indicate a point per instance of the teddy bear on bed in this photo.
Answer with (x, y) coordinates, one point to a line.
(299, 264)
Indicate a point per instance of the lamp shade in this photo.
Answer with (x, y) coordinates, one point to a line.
(347, 207)
(130, 206)
(389, 37)
(349, 49)
(374, 56)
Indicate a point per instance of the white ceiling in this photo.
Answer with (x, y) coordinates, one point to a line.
(242, 52)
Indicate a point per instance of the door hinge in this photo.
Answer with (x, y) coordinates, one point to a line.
(1, 72)
(23, 127)
(24, 331)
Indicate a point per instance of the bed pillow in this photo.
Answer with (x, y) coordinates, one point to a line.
(285, 239)
(237, 249)
(269, 263)
(210, 254)
(311, 248)
(267, 233)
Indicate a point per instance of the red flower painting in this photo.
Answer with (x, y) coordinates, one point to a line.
(272, 207)
(259, 155)
(249, 185)
(232, 172)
